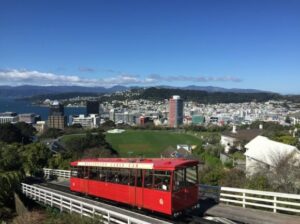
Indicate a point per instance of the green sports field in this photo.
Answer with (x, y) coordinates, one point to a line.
(148, 143)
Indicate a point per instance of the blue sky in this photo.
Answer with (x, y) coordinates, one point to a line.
(226, 43)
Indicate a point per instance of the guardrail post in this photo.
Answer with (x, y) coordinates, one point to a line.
(71, 206)
(61, 204)
(275, 204)
(244, 200)
(108, 217)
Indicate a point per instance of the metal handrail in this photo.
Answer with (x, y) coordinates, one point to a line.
(71, 205)
(253, 198)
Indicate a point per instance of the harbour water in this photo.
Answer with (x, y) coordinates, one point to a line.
(12, 105)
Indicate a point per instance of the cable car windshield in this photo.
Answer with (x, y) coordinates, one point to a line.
(185, 177)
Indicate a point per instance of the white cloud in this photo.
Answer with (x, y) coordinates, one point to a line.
(21, 77)
(183, 78)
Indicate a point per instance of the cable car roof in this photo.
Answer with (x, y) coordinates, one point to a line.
(137, 163)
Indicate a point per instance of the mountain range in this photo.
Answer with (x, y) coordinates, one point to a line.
(28, 90)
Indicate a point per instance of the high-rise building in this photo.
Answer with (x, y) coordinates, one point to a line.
(57, 118)
(92, 107)
(112, 115)
(175, 111)
(56, 109)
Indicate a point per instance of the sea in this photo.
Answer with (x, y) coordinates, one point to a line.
(20, 107)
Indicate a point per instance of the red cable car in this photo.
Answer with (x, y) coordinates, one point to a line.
(168, 186)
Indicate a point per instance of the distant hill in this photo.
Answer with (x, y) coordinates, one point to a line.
(205, 97)
(220, 89)
(28, 90)
(201, 94)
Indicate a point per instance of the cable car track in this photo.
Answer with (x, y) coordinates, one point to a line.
(188, 218)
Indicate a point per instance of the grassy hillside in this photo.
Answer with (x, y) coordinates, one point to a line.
(147, 143)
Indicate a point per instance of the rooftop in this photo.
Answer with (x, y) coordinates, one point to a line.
(137, 163)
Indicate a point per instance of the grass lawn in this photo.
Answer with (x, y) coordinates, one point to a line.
(147, 143)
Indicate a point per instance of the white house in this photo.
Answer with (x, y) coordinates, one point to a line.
(237, 137)
(262, 152)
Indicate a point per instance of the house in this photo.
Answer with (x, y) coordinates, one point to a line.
(185, 147)
(182, 151)
(263, 153)
(235, 138)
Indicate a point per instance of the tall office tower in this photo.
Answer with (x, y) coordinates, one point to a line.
(175, 111)
(92, 107)
(112, 115)
(57, 118)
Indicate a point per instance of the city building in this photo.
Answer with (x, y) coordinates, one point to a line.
(57, 118)
(175, 112)
(90, 121)
(56, 109)
(8, 117)
(112, 115)
(198, 119)
(40, 126)
(92, 107)
(29, 118)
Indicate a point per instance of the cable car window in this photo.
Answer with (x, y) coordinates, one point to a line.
(110, 175)
(85, 172)
(74, 172)
(80, 172)
(162, 180)
(124, 176)
(132, 177)
(139, 178)
(93, 173)
(148, 179)
(115, 176)
(191, 175)
(179, 179)
(102, 174)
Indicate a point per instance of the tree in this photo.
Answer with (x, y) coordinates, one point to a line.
(52, 133)
(35, 158)
(9, 182)
(108, 124)
(11, 175)
(283, 176)
(286, 176)
(9, 157)
(9, 133)
(211, 175)
(286, 139)
(27, 131)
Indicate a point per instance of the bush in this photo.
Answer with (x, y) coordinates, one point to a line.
(233, 178)
(258, 182)
(211, 175)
